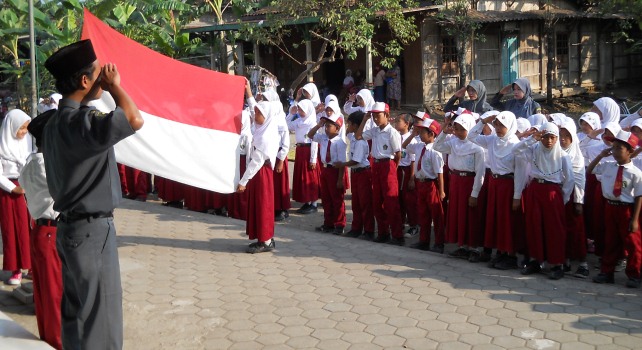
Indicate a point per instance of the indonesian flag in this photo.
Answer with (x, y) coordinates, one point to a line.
(192, 115)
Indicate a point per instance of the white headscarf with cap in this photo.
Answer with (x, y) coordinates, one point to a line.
(266, 136)
(573, 150)
(609, 109)
(537, 119)
(11, 148)
(548, 160)
(314, 93)
(464, 147)
(503, 146)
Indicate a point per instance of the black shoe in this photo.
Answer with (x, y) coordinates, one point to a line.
(382, 239)
(353, 234)
(633, 283)
(425, 246)
(261, 247)
(581, 272)
(507, 263)
(461, 253)
(303, 208)
(310, 209)
(338, 231)
(437, 248)
(496, 260)
(368, 236)
(473, 256)
(531, 268)
(604, 278)
(397, 241)
(556, 273)
(324, 228)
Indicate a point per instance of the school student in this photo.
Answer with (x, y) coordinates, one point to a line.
(407, 193)
(361, 181)
(334, 179)
(429, 184)
(504, 219)
(622, 188)
(550, 189)
(386, 153)
(467, 168)
(258, 179)
(306, 177)
(15, 147)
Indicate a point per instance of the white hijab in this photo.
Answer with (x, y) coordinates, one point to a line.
(503, 146)
(11, 148)
(548, 160)
(537, 119)
(314, 93)
(609, 109)
(573, 150)
(464, 147)
(368, 100)
(266, 136)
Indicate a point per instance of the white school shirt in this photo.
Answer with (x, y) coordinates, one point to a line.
(34, 181)
(499, 165)
(338, 148)
(631, 181)
(474, 162)
(385, 142)
(432, 163)
(301, 127)
(565, 177)
(359, 151)
(254, 164)
(406, 158)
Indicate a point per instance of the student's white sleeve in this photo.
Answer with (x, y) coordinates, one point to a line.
(569, 178)
(437, 162)
(475, 135)
(257, 160)
(480, 171)
(441, 144)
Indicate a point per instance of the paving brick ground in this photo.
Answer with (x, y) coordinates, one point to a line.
(188, 284)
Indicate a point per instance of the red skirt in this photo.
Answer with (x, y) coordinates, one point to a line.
(503, 225)
(168, 190)
(306, 183)
(47, 283)
(545, 223)
(282, 188)
(463, 222)
(237, 206)
(260, 211)
(14, 224)
(407, 197)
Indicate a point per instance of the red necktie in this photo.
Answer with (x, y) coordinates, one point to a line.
(328, 159)
(420, 158)
(617, 186)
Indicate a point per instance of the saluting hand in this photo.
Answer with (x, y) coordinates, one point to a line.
(109, 77)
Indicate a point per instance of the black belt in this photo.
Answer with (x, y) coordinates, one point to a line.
(546, 182)
(73, 217)
(358, 170)
(618, 203)
(379, 160)
(503, 176)
(462, 173)
(303, 144)
(425, 180)
(46, 222)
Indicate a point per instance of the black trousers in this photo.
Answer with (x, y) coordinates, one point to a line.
(91, 310)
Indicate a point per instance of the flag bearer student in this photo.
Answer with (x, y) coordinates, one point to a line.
(305, 186)
(83, 181)
(622, 187)
(361, 180)
(467, 168)
(258, 179)
(575, 232)
(386, 152)
(334, 179)
(550, 189)
(429, 184)
(504, 219)
(407, 193)
(15, 146)
(47, 273)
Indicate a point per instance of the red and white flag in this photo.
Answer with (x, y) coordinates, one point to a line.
(192, 115)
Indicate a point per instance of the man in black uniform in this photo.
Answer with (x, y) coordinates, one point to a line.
(83, 180)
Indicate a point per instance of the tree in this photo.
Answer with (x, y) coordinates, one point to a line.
(342, 26)
(454, 18)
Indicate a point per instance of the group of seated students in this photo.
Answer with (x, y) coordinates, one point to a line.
(490, 177)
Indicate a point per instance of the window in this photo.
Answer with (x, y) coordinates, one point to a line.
(561, 50)
(449, 57)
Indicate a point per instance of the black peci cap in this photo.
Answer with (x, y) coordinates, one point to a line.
(71, 59)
